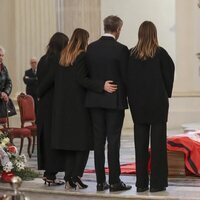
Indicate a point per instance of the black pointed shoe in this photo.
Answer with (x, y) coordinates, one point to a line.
(121, 186)
(69, 184)
(160, 189)
(142, 189)
(77, 180)
(55, 182)
(102, 186)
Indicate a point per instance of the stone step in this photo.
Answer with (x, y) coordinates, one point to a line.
(37, 190)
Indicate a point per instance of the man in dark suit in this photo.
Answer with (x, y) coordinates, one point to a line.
(31, 81)
(107, 59)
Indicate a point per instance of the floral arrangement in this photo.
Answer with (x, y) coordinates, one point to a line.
(11, 163)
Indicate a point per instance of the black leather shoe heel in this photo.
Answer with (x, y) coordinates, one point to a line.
(119, 187)
(158, 189)
(102, 186)
(142, 189)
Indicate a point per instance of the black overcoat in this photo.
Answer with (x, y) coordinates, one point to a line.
(107, 59)
(48, 158)
(31, 81)
(71, 128)
(150, 84)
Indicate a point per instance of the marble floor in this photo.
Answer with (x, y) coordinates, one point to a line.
(184, 188)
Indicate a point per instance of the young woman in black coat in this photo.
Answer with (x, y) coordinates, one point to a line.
(150, 82)
(49, 159)
(71, 127)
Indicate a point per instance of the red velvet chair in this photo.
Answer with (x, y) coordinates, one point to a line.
(3, 123)
(14, 132)
(27, 114)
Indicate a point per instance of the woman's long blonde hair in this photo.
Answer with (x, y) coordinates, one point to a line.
(76, 45)
(147, 41)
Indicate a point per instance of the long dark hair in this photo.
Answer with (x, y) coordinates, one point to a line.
(56, 44)
(147, 41)
(77, 44)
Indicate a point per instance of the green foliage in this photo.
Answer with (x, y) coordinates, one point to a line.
(26, 174)
(2, 136)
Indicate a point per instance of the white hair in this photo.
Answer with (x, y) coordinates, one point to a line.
(2, 49)
(33, 58)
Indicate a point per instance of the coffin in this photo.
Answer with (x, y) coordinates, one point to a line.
(176, 164)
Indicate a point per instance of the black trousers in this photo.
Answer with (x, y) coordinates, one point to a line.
(75, 163)
(159, 167)
(107, 124)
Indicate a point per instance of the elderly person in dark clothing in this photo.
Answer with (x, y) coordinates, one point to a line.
(5, 81)
(31, 81)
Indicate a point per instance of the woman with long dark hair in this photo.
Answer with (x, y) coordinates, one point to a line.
(150, 83)
(72, 129)
(49, 159)
(71, 125)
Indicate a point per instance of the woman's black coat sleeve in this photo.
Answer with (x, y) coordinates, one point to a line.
(82, 72)
(46, 82)
(167, 70)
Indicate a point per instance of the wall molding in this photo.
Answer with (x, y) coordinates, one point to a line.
(186, 94)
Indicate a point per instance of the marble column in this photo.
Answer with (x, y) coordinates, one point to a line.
(27, 28)
(187, 46)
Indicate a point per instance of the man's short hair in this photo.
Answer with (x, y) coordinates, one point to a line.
(112, 23)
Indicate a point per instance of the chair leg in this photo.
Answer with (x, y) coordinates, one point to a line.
(11, 140)
(21, 145)
(29, 146)
(33, 147)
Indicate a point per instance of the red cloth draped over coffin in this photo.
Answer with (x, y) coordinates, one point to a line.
(189, 144)
(128, 168)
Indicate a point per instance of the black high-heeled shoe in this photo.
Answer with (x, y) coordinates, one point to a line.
(44, 179)
(69, 184)
(77, 180)
(55, 182)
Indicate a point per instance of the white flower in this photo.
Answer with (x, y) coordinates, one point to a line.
(2, 144)
(6, 140)
(23, 158)
(9, 160)
(8, 167)
(20, 165)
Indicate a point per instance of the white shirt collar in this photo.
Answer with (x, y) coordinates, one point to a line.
(108, 35)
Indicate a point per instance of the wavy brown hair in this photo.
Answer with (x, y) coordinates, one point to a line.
(77, 44)
(147, 41)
